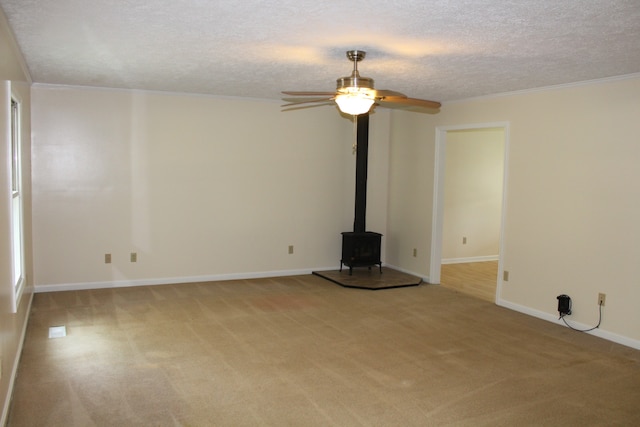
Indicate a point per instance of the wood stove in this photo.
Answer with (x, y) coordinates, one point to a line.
(361, 248)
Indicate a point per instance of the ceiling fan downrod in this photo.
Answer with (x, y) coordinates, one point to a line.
(355, 81)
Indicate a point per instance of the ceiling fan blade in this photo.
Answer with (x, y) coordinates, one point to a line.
(385, 92)
(304, 99)
(309, 93)
(399, 102)
(307, 101)
(302, 107)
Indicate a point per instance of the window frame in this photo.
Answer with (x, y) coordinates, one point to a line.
(17, 203)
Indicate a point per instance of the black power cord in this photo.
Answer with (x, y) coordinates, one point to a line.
(584, 330)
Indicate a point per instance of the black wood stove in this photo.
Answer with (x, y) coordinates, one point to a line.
(361, 248)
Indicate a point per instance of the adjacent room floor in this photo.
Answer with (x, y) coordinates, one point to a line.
(478, 279)
(303, 351)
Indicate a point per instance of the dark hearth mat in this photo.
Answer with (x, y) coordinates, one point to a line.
(363, 278)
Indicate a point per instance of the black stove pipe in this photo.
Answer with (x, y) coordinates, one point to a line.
(362, 154)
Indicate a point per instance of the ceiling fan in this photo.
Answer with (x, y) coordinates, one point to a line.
(356, 95)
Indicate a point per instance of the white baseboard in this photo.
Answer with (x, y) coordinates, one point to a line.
(169, 280)
(190, 279)
(470, 259)
(600, 333)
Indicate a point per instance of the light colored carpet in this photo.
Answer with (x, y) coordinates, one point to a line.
(302, 351)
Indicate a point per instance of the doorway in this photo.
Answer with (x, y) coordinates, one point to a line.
(469, 200)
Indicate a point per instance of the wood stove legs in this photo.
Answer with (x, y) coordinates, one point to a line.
(351, 267)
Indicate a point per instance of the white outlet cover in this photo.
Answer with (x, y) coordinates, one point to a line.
(57, 331)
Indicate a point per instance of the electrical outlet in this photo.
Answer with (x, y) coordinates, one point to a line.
(601, 298)
(505, 276)
(290, 249)
(464, 240)
(134, 257)
(107, 258)
(415, 252)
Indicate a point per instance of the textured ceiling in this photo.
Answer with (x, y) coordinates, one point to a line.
(442, 50)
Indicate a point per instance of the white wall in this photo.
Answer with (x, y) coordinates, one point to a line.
(200, 187)
(474, 169)
(411, 162)
(573, 199)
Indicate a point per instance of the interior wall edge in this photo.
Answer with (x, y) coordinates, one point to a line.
(591, 82)
(61, 86)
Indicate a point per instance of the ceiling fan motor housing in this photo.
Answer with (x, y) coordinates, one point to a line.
(354, 81)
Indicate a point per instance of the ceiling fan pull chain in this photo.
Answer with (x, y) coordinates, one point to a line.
(354, 148)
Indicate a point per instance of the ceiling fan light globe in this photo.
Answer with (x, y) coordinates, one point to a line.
(354, 104)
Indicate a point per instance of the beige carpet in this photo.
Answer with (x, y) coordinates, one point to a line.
(302, 351)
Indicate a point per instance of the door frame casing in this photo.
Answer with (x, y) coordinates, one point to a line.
(438, 198)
